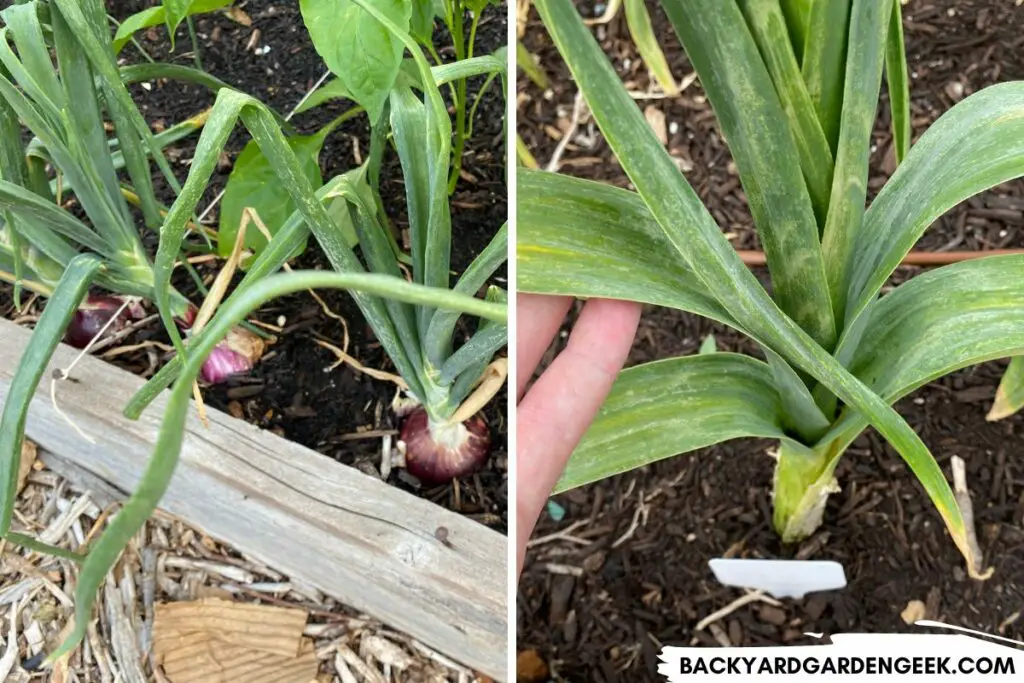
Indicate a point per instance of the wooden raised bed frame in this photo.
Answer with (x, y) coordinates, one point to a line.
(352, 536)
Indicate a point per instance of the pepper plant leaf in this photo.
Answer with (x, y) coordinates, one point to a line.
(357, 48)
(253, 184)
(171, 11)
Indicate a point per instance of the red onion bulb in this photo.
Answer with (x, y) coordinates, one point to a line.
(239, 351)
(436, 454)
(95, 312)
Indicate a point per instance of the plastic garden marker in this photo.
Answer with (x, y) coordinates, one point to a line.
(780, 578)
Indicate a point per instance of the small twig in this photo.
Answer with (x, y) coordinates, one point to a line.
(131, 348)
(345, 359)
(754, 596)
(642, 510)
(370, 434)
(10, 656)
(123, 332)
(574, 122)
(963, 498)
(563, 535)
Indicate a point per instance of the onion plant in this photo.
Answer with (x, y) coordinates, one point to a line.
(64, 111)
(796, 101)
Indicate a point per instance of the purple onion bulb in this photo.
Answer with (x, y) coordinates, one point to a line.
(436, 454)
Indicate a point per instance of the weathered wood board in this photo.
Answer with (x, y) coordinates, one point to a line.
(347, 534)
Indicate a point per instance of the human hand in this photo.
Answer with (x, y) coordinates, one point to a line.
(561, 404)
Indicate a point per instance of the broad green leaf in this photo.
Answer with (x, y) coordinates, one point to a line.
(151, 16)
(421, 23)
(696, 238)
(769, 30)
(976, 145)
(174, 12)
(1010, 395)
(155, 16)
(253, 184)
(478, 6)
(797, 13)
(752, 119)
(824, 63)
(667, 407)
(899, 83)
(586, 239)
(357, 48)
(864, 57)
(639, 22)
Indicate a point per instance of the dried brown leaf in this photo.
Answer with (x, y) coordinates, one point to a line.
(29, 453)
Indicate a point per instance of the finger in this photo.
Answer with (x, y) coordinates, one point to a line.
(538, 318)
(554, 415)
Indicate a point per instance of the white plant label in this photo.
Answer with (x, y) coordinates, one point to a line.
(780, 578)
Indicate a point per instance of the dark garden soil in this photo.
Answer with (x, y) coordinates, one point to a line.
(634, 575)
(265, 51)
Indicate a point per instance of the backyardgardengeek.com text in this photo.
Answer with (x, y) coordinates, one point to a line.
(846, 665)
